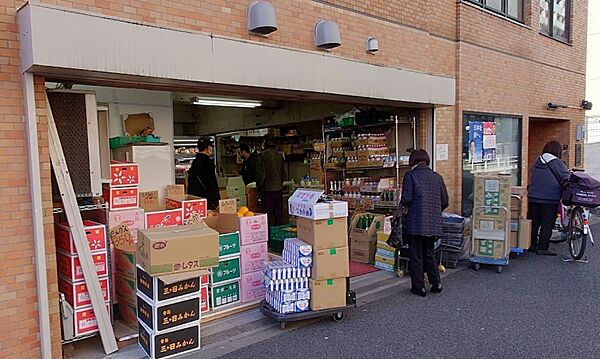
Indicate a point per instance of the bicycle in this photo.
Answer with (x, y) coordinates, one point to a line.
(573, 223)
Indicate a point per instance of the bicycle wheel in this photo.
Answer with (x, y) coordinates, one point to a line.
(577, 240)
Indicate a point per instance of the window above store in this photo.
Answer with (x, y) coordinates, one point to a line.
(510, 9)
(555, 19)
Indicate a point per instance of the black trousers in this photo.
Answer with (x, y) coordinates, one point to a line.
(422, 260)
(543, 217)
(272, 205)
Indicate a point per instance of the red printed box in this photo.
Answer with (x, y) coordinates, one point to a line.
(77, 293)
(95, 233)
(123, 174)
(85, 320)
(125, 288)
(120, 198)
(205, 279)
(204, 302)
(254, 229)
(69, 266)
(165, 218)
(253, 257)
(124, 262)
(190, 205)
(252, 287)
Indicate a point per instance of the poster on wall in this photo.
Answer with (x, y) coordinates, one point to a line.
(475, 141)
(489, 141)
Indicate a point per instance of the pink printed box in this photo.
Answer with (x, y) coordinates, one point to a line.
(253, 257)
(254, 229)
(252, 287)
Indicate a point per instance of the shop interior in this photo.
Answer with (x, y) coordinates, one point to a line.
(352, 151)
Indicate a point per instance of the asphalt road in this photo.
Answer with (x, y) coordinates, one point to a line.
(539, 307)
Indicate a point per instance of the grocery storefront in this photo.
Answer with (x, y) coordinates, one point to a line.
(345, 128)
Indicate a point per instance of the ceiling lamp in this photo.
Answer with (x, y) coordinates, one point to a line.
(261, 18)
(225, 102)
(327, 35)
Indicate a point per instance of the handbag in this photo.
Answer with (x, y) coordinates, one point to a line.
(397, 237)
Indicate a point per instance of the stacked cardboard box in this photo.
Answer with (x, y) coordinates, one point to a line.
(233, 187)
(323, 225)
(386, 257)
(193, 208)
(254, 235)
(122, 191)
(170, 277)
(287, 281)
(520, 236)
(363, 236)
(71, 281)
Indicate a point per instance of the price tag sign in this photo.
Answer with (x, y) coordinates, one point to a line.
(228, 205)
(194, 218)
(149, 200)
(122, 239)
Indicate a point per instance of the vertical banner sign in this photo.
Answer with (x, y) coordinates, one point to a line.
(489, 141)
(475, 141)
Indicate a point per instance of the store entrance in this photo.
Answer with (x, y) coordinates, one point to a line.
(543, 130)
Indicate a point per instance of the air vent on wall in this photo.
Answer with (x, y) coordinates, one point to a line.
(327, 35)
(261, 18)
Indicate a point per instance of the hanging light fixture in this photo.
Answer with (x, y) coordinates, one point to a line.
(225, 102)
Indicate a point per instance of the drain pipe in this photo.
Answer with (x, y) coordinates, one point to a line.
(35, 188)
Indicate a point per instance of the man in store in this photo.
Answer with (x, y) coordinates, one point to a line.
(269, 181)
(250, 163)
(202, 176)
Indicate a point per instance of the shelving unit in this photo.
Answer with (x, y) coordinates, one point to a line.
(185, 152)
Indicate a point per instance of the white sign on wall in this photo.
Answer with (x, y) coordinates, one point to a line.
(442, 152)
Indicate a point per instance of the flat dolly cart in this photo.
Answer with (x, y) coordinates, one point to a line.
(517, 228)
(492, 237)
(337, 314)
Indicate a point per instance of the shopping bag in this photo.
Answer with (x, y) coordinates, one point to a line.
(397, 236)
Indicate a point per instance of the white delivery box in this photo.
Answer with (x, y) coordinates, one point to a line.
(306, 203)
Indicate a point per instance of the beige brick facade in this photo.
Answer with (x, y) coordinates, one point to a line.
(500, 66)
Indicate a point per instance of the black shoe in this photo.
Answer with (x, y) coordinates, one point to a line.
(436, 288)
(532, 249)
(545, 252)
(422, 292)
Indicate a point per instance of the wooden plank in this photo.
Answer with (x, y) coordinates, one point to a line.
(61, 171)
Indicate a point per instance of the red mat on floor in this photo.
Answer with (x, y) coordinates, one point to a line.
(357, 269)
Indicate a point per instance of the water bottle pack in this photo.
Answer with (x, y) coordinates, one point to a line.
(290, 296)
(297, 253)
(296, 306)
(292, 284)
(284, 270)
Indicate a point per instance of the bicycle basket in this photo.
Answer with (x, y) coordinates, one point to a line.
(581, 189)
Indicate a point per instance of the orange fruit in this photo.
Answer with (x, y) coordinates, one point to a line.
(248, 214)
(240, 215)
(243, 210)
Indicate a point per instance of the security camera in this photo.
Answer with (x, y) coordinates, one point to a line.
(586, 105)
(553, 106)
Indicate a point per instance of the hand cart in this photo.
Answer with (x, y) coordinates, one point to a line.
(337, 314)
(517, 228)
(490, 239)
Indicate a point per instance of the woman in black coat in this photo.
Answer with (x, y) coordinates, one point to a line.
(425, 196)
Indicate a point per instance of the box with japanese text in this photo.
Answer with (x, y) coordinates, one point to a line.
(95, 233)
(223, 294)
(167, 288)
(163, 218)
(204, 302)
(170, 250)
(254, 229)
(132, 218)
(123, 174)
(85, 320)
(190, 206)
(69, 266)
(159, 318)
(253, 257)
(171, 343)
(252, 287)
(328, 293)
(305, 203)
(120, 198)
(77, 294)
(228, 227)
(228, 269)
(492, 190)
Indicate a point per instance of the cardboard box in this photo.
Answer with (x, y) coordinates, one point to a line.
(229, 236)
(363, 251)
(125, 288)
(124, 174)
(95, 233)
(253, 257)
(162, 317)
(170, 343)
(120, 198)
(124, 262)
(254, 229)
(128, 313)
(76, 293)
(190, 205)
(133, 218)
(492, 190)
(366, 235)
(163, 218)
(204, 302)
(490, 248)
(228, 269)
(85, 320)
(240, 201)
(168, 250)
(305, 203)
(331, 263)
(524, 233)
(326, 294)
(158, 290)
(224, 294)
(325, 233)
(69, 266)
(252, 287)
(387, 261)
(518, 208)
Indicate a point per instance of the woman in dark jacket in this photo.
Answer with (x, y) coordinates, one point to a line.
(202, 176)
(544, 193)
(425, 196)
